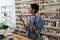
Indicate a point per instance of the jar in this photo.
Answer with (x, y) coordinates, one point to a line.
(51, 24)
(57, 24)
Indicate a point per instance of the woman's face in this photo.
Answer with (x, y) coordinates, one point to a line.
(30, 10)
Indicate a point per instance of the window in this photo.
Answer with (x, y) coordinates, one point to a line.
(7, 12)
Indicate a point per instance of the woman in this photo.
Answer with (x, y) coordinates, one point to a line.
(34, 23)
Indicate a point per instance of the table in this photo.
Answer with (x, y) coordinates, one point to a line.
(14, 36)
(18, 37)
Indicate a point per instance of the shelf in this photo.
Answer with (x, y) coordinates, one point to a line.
(24, 1)
(50, 4)
(23, 14)
(52, 27)
(51, 19)
(19, 26)
(22, 6)
(20, 29)
(18, 22)
(51, 34)
(18, 14)
(18, 9)
(50, 11)
(17, 18)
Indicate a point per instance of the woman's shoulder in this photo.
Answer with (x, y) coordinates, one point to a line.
(38, 17)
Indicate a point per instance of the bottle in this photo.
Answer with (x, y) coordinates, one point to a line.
(45, 38)
(57, 24)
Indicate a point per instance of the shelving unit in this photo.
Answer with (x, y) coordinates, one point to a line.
(51, 34)
(51, 19)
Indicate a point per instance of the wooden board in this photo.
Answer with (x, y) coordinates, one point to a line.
(18, 37)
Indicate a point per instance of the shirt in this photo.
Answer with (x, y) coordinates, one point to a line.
(37, 22)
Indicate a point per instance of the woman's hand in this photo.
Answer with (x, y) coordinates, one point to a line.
(21, 19)
(31, 24)
(27, 20)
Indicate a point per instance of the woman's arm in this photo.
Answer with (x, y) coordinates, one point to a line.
(32, 25)
(23, 23)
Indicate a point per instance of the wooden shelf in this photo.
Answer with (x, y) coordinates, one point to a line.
(24, 1)
(23, 14)
(22, 6)
(17, 18)
(48, 34)
(18, 22)
(50, 11)
(51, 34)
(52, 27)
(19, 26)
(17, 9)
(50, 4)
(51, 19)
(20, 29)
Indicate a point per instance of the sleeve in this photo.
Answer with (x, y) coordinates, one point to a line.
(39, 25)
(27, 27)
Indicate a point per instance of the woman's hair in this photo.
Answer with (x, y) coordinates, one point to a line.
(35, 6)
